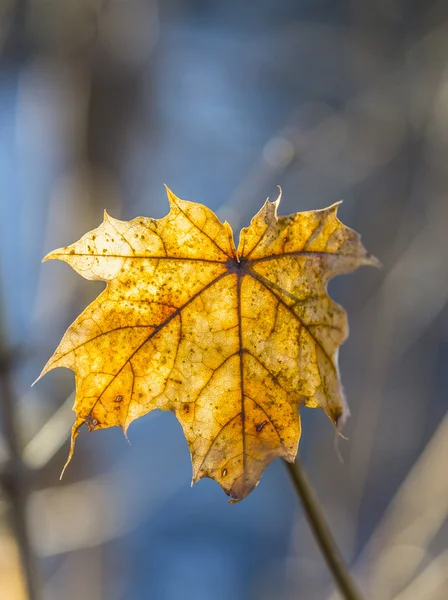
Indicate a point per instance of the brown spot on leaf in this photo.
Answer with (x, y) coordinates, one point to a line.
(90, 422)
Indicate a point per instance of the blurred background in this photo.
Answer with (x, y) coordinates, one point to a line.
(103, 101)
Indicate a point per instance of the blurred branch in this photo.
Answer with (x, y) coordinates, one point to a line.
(404, 309)
(321, 531)
(13, 476)
(413, 518)
(98, 512)
(50, 437)
(431, 583)
(417, 512)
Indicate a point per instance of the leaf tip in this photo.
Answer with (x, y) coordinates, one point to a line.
(340, 418)
(272, 205)
(171, 195)
(70, 454)
(48, 367)
(373, 261)
(278, 199)
(64, 468)
(54, 254)
(236, 496)
(124, 428)
(37, 379)
(334, 207)
(75, 432)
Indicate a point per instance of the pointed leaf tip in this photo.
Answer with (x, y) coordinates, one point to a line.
(37, 379)
(335, 206)
(279, 197)
(53, 255)
(168, 191)
(373, 261)
(171, 196)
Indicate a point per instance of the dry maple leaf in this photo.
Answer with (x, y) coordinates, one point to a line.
(231, 340)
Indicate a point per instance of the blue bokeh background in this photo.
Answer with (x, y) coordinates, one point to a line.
(103, 102)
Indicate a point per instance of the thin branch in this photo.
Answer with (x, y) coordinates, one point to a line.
(13, 476)
(322, 534)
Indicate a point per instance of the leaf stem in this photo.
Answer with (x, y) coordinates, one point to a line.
(322, 533)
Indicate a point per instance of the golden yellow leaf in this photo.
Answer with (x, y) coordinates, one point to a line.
(232, 341)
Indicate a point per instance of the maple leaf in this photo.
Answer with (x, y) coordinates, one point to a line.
(233, 341)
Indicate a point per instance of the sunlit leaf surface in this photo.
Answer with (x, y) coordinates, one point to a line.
(233, 341)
